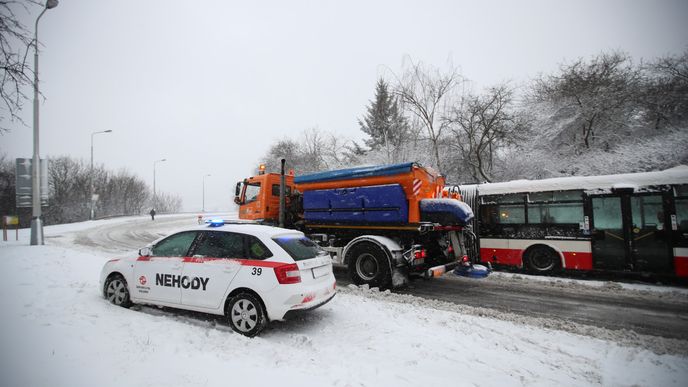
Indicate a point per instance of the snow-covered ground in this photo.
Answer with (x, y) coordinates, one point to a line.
(57, 330)
(680, 293)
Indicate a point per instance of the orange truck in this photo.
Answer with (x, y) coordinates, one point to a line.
(385, 223)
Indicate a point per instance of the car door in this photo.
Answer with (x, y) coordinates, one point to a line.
(211, 269)
(159, 276)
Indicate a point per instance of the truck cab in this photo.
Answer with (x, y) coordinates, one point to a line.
(258, 196)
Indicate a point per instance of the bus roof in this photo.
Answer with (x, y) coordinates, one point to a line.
(676, 175)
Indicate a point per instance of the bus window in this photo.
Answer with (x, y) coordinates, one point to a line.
(647, 212)
(555, 213)
(555, 196)
(536, 213)
(513, 198)
(562, 207)
(512, 214)
(682, 214)
(563, 213)
(607, 213)
(540, 197)
(681, 190)
(561, 196)
(489, 215)
(492, 214)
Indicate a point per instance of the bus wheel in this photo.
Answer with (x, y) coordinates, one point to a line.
(542, 260)
(368, 265)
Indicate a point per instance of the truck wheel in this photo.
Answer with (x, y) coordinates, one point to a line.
(368, 265)
(542, 260)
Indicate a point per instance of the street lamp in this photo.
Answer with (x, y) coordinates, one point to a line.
(204, 176)
(36, 222)
(154, 197)
(93, 201)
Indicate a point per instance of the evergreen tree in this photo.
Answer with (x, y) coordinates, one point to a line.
(383, 122)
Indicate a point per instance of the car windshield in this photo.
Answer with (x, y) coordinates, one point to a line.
(299, 247)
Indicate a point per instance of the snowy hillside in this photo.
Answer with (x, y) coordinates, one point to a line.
(57, 330)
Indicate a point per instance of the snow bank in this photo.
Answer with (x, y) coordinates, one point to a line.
(57, 330)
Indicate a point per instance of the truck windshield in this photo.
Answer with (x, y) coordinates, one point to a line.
(299, 247)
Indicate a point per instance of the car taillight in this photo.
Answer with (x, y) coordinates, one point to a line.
(420, 254)
(288, 274)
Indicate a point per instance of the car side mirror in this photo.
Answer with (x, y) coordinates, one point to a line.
(145, 251)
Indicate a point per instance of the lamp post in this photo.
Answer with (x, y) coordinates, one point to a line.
(93, 201)
(204, 176)
(154, 197)
(36, 221)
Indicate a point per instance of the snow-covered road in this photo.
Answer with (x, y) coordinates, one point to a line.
(563, 302)
(57, 330)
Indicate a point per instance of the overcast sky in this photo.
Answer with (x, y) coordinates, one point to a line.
(209, 85)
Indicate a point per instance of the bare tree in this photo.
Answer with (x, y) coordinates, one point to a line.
(674, 65)
(314, 145)
(425, 93)
(123, 194)
(15, 40)
(168, 203)
(284, 148)
(7, 186)
(665, 91)
(481, 125)
(69, 184)
(596, 96)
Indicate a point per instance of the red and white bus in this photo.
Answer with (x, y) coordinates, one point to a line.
(636, 222)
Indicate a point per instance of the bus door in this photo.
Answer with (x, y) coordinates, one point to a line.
(609, 242)
(650, 234)
(629, 233)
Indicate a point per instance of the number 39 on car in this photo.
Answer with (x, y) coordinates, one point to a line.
(250, 273)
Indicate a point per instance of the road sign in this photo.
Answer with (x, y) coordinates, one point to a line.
(10, 220)
(24, 185)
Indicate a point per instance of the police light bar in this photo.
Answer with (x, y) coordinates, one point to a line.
(215, 222)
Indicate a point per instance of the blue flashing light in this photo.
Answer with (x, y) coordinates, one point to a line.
(215, 222)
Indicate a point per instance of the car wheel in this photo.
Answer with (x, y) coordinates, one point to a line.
(368, 265)
(116, 291)
(542, 260)
(246, 314)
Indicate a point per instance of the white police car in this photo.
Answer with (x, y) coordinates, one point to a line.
(250, 273)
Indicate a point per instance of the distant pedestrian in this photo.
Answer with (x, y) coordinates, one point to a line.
(152, 213)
